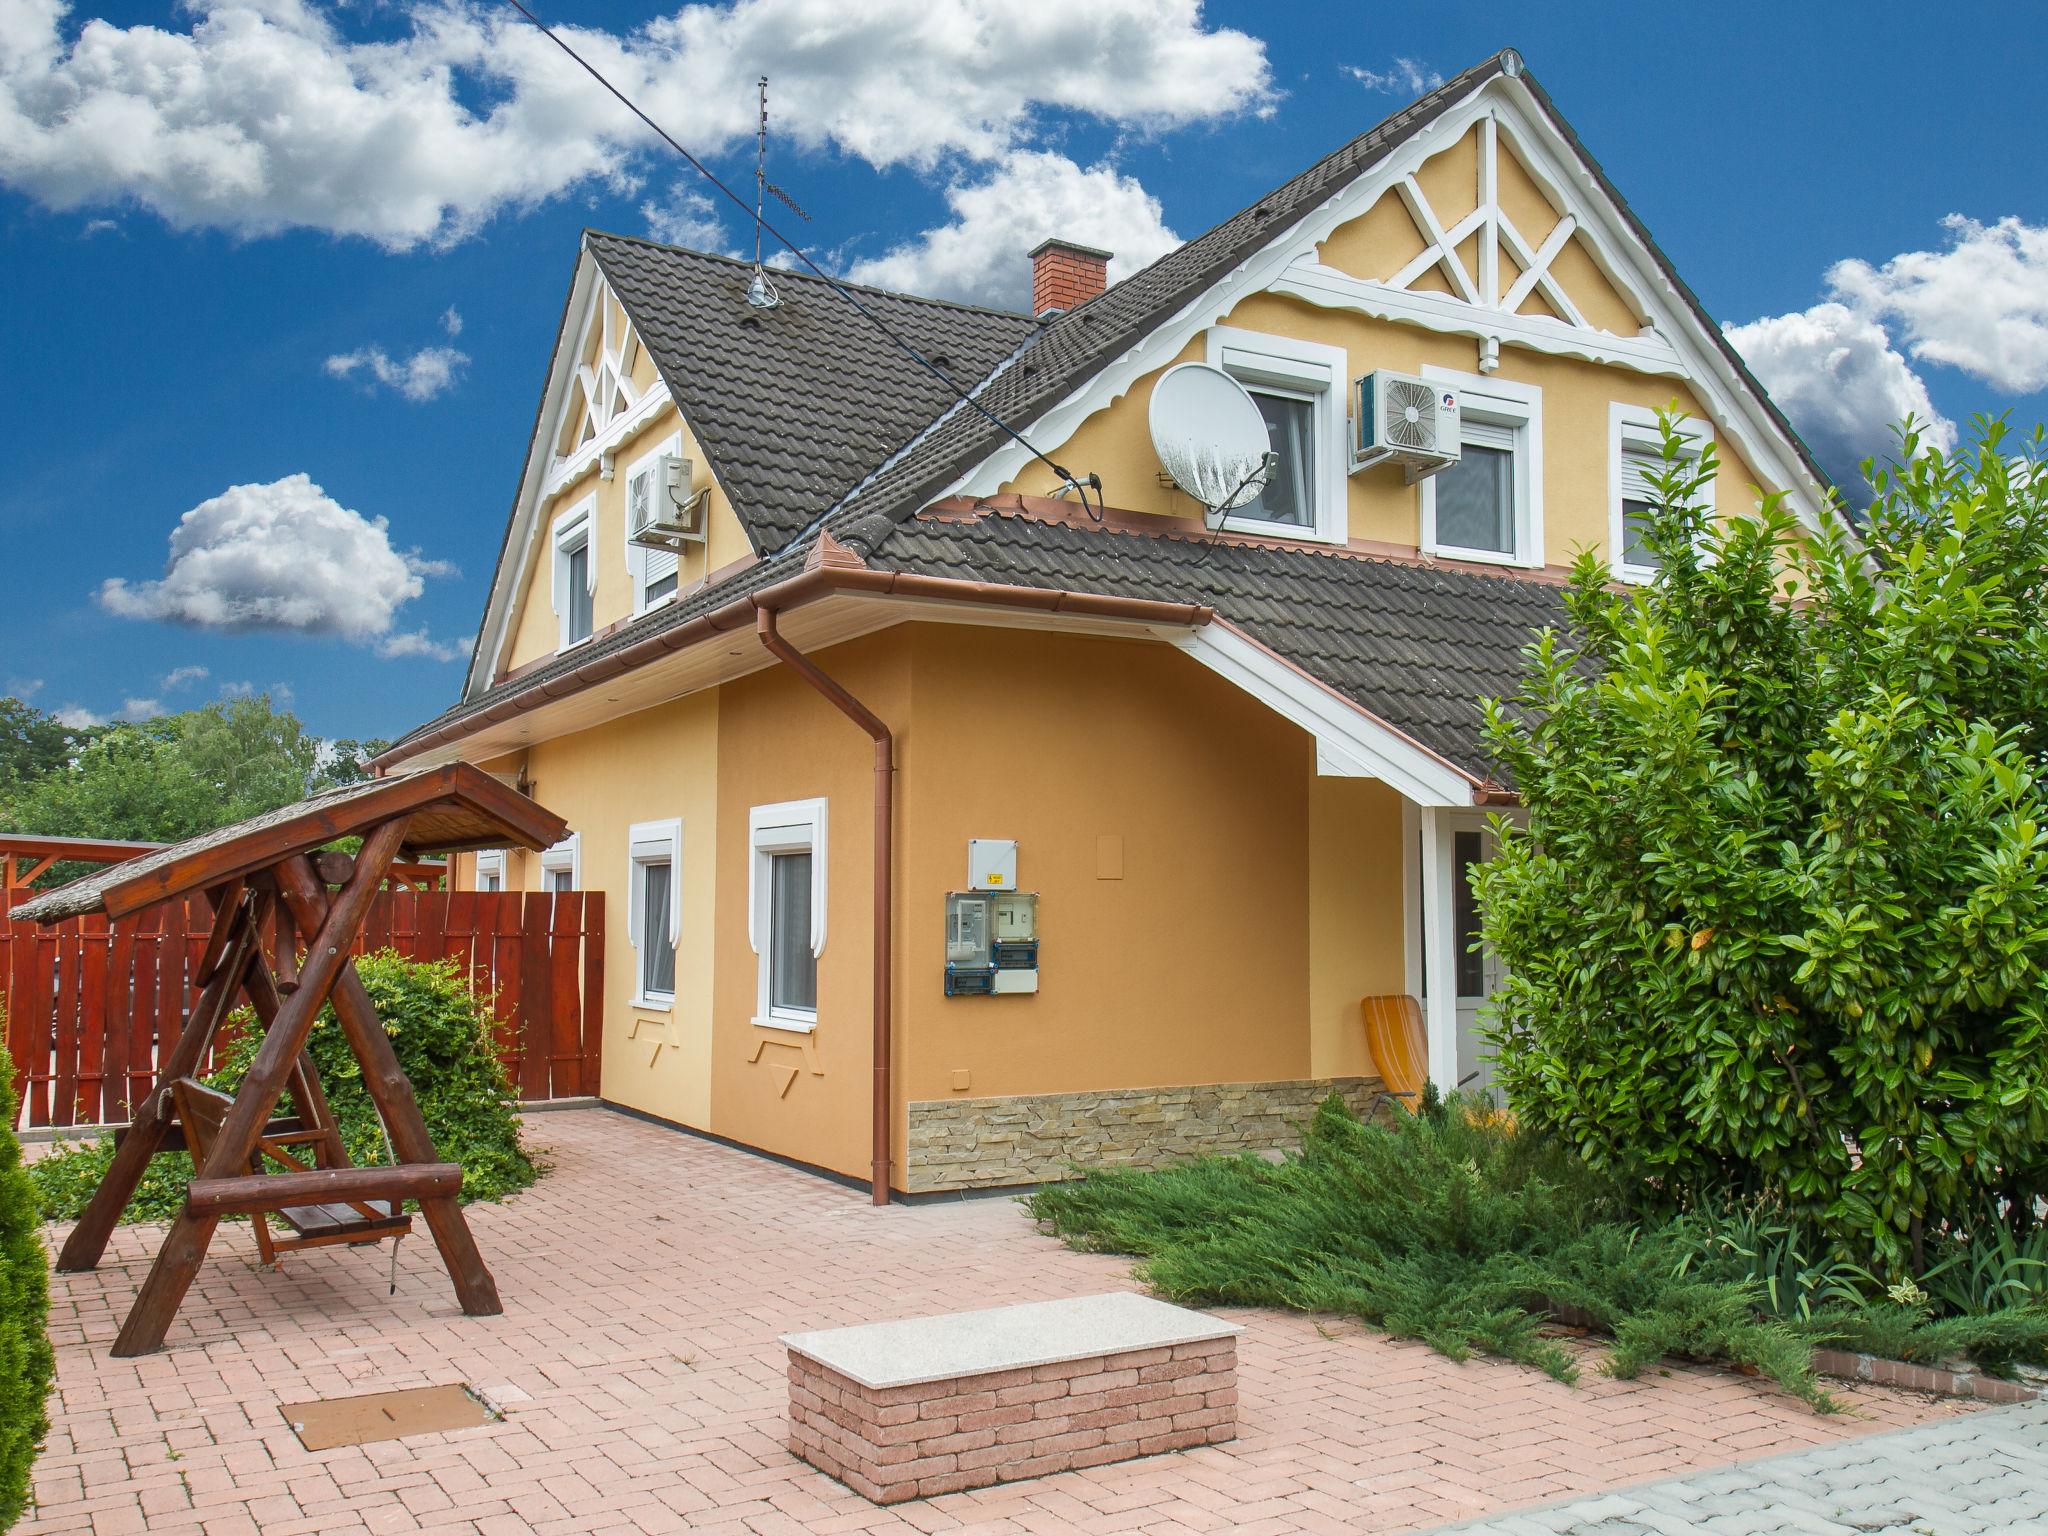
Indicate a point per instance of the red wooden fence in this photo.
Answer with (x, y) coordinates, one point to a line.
(89, 1004)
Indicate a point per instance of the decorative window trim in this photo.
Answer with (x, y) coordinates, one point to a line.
(789, 826)
(1633, 430)
(1491, 401)
(565, 855)
(636, 555)
(1311, 369)
(575, 529)
(649, 842)
(491, 862)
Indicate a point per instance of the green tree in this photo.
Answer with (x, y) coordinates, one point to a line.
(26, 1362)
(1779, 919)
(32, 744)
(176, 775)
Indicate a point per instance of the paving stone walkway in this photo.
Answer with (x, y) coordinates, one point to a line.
(645, 1281)
(1971, 1476)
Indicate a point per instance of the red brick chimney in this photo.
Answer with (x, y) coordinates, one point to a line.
(1065, 275)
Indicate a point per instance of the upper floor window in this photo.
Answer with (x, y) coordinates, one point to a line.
(653, 572)
(1635, 464)
(1299, 389)
(654, 908)
(1489, 505)
(575, 575)
(786, 910)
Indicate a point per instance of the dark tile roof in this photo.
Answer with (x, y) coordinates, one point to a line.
(793, 405)
(1417, 646)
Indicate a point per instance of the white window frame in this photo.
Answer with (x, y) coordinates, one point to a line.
(574, 529)
(636, 555)
(1494, 404)
(649, 842)
(1633, 430)
(490, 862)
(565, 855)
(1309, 370)
(789, 826)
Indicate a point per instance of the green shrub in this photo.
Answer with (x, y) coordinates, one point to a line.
(1447, 1227)
(441, 1032)
(1778, 923)
(26, 1362)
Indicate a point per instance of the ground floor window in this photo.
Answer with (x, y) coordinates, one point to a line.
(490, 870)
(561, 866)
(654, 909)
(786, 909)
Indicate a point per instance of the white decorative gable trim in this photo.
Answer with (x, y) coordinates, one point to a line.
(616, 410)
(1673, 341)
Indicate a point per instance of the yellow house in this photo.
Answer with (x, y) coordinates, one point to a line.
(962, 822)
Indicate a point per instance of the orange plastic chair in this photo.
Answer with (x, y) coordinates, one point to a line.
(1399, 1048)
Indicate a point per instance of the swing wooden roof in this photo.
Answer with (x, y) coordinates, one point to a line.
(448, 809)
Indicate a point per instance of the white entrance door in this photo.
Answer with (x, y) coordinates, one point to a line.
(1443, 962)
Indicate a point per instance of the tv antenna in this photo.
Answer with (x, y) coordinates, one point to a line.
(761, 293)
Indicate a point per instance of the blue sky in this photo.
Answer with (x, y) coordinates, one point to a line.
(213, 236)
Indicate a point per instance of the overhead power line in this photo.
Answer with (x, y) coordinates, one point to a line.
(761, 224)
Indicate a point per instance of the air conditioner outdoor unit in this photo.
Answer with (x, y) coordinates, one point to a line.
(664, 508)
(1408, 420)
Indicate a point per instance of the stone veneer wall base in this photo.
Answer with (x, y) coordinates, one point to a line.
(985, 1143)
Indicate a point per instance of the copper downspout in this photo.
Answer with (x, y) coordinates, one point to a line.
(884, 894)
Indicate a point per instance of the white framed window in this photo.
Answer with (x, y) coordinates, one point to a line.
(561, 867)
(654, 908)
(575, 573)
(490, 870)
(786, 910)
(1489, 505)
(1299, 388)
(1635, 461)
(653, 573)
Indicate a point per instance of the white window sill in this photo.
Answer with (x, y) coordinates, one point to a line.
(1480, 556)
(660, 602)
(792, 1026)
(1291, 531)
(654, 1004)
(1635, 575)
(563, 650)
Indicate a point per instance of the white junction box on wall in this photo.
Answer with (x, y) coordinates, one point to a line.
(992, 864)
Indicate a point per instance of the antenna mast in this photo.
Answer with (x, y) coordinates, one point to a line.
(761, 293)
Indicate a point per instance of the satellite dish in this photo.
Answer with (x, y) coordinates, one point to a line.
(1210, 437)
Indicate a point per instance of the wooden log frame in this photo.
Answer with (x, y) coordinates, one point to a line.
(270, 872)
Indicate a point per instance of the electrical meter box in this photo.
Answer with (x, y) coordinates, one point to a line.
(991, 943)
(992, 864)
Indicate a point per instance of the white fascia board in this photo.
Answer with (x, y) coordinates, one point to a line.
(1675, 345)
(1349, 742)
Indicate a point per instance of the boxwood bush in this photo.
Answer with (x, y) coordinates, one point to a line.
(26, 1363)
(441, 1032)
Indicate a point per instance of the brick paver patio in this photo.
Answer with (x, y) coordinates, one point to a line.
(646, 1279)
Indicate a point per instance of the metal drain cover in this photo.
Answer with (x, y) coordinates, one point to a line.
(331, 1421)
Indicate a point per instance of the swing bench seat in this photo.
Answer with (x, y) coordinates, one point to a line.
(322, 1205)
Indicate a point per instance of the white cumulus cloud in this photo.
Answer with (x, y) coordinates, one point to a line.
(426, 373)
(419, 643)
(1405, 77)
(262, 115)
(1981, 305)
(981, 255)
(183, 677)
(685, 217)
(1836, 374)
(284, 557)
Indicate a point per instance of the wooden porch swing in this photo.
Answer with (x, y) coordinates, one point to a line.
(261, 872)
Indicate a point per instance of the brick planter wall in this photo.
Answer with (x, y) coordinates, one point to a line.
(1032, 1139)
(895, 1443)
